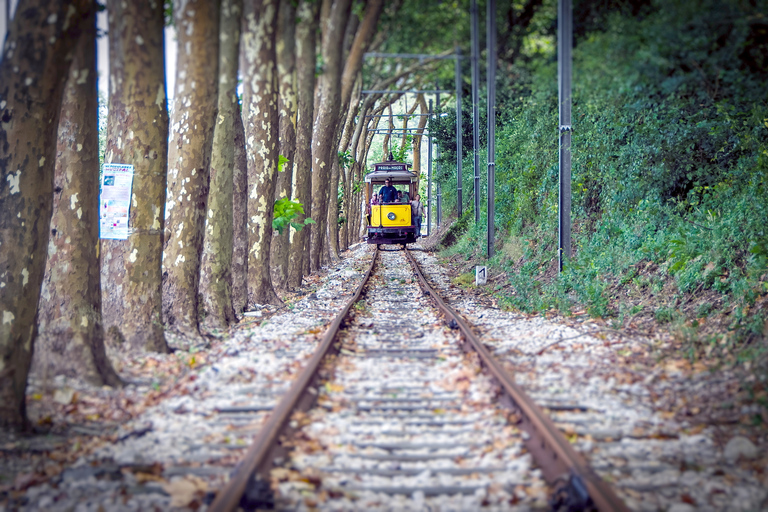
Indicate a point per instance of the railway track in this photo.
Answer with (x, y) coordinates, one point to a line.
(391, 414)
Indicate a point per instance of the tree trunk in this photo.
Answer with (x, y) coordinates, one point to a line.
(189, 159)
(363, 33)
(406, 117)
(216, 263)
(354, 177)
(417, 138)
(286, 71)
(137, 134)
(302, 180)
(240, 221)
(33, 71)
(70, 337)
(333, 211)
(260, 96)
(388, 135)
(343, 173)
(324, 138)
(354, 61)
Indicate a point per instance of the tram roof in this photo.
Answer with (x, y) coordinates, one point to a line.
(396, 171)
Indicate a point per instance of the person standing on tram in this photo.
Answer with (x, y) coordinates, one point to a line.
(375, 201)
(388, 192)
(417, 211)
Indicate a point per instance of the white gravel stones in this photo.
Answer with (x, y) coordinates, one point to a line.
(197, 435)
(607, 409)
(405, 423)
(740, 447)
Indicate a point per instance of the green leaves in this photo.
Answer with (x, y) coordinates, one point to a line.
(285, 211)
(401, 152)
(281, 161)
(345, 159)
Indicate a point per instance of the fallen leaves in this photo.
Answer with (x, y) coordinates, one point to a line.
(184, 490)
(24, 481)
(65, 396)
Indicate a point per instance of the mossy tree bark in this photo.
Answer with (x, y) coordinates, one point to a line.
(240, 220)
(189, 159)
(307, 13)
(260, 118)
(137, 134)
(216, 266)
(287, 108)
(33, 71)
(324, 133)
(70, 337)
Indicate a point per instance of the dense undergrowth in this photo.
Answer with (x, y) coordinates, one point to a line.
(670, 177)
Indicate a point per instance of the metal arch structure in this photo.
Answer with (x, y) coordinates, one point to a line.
(459, 142)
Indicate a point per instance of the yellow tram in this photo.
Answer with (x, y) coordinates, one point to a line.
(390, 220)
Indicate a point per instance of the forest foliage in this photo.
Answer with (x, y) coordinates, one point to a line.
(670, 166)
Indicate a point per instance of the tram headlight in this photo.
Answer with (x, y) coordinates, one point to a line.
(391, 216)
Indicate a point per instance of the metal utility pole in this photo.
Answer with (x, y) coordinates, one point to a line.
(475, 29)
(437, 168)
(490, 21)
(564, 45)
(459, 141)
(439, 204)
(7, 20)
(429, 175)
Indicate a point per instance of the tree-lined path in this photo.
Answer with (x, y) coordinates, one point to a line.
(246, 198)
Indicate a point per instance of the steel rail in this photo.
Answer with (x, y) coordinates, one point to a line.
(301, 396)
(561, 464)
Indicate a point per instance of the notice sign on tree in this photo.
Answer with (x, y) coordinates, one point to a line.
(115, 201)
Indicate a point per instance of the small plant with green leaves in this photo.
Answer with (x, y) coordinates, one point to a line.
(281, 161)
(285, 211)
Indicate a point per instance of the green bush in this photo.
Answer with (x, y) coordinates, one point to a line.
(670, 164)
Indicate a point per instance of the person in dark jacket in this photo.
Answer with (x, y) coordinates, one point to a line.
(388, 192)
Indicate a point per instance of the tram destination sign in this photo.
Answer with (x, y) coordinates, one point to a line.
(391, 167)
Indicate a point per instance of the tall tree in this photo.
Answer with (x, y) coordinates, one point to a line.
(260, 118)
(353, 172)
(306, 28)
(137, 134)
(334, 210)
(286, 71)
(218, 244)
(189, 158)
(70, 337)
(240, 221)
(417, 136)
(343, 166)
(407, 117)
(36, 57)
(388, 134)
(354, 62)
(324, 130)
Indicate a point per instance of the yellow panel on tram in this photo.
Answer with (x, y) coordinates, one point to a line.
(392, 215)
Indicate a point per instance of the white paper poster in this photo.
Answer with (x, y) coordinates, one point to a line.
(115, 201)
